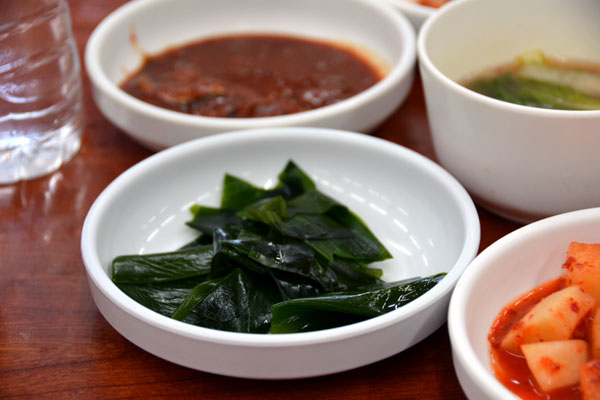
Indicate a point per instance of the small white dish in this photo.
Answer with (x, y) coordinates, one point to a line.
(510, 267)
(416, 13)
(524, 163)
(373, 27)
(419, 212)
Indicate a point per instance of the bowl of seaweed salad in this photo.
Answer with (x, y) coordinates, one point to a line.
(282, 260)
(237, 253)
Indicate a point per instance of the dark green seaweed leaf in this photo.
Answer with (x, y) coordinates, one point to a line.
(294, 180)
(238, 303)
(207, 219)
(311, 202)
(270, 211)
(349, 274)
(370, 248)
(291, 265)
(308, 226)
(293, 257)
(238, 193)
(314, 320)
(229, 255)
(349, 239)
(164, 297)
(315, 202)
(298, 315)
(352, 238)
(161, 267)
(293, 286)
(201, 240)
(300, 266)
(194, 297)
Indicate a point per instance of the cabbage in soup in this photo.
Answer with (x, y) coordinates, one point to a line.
(537, 80)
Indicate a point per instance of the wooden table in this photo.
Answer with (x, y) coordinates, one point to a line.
(54, 343)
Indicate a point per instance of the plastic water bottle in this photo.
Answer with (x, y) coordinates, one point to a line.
(40, 89)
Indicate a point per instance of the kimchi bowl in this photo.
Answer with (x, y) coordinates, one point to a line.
(514, 265)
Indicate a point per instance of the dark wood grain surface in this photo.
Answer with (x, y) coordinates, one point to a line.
(54, 343)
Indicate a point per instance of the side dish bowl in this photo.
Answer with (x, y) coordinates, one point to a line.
(415, 12)
(510, 267)
(374, 28)
(522, 162)
(417, 210)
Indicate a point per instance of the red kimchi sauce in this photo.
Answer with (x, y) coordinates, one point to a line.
(251, 76)
(433, 3)
(511, 369)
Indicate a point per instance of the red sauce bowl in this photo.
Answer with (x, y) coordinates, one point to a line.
(375, 28)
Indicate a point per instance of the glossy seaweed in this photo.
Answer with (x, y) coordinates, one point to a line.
(281, 260)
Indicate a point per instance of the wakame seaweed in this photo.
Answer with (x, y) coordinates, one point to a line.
(332, 308)
(280, 260)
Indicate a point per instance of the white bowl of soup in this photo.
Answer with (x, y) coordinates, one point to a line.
(520, 161)
(492, 290)
(231, 81)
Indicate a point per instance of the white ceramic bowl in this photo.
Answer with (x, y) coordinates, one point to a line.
(373, 27)
(522, 162)
(416, 13)
(419, 212)
(513, 265)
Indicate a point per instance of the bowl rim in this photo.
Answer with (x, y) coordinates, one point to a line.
(462, 349)
(426, 64)
(409, 6)
(99, 277)
(401, 69)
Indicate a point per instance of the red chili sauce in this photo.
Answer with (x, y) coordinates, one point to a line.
(511, 369)
(251, 76)
(433, 3)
